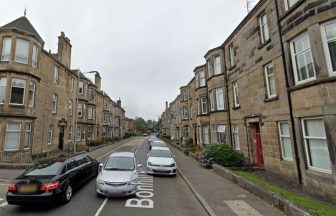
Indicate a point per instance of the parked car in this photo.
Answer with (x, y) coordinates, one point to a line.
(161, 161)
(157, 143)
(117, 176)
(53, 180)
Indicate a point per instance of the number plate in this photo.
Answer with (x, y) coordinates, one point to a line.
(27, 188)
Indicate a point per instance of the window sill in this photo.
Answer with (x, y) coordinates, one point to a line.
(200, 87)
(319, 175)
(232, 67)
(236, 107)
(291, 9)
(264, 44)
(213, 76)
(271, 99)
(21, 106)
(201, 115)
(312, 83)
(218, 111)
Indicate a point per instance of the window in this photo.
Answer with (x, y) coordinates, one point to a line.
(202, 105)
(286, 147)
(83, 134)
(235, 94)
(17, 91)
(70, 133)
(186, 132)
(218, 134)
(91, 94)
(316, 144)
(78, 133)
(54, 103)
(93, 113)
(21, 51)
(289, 3)
(80, 110)
(302, 59)
(56, 73)
(235, 137)
(210, 67)
(184, 94)
(80, 87)
(270, 81)
(231, 50)
(31, 94)
(217, 65)
(50, 134)
(329, 42)
(13, 136)
(219, 93)
(84, 111)
(70, 107)
(200, 140)
(212, 101)
(3, 86)
(213, 133)
(201, 78)
(27, 137)
(89, 112)
(34, 56)
(263, 28)
(89, 133)
(6, 49)
(205, 134)
(185, 113)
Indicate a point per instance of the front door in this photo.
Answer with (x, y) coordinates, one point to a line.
(61, 137)
(258, 145)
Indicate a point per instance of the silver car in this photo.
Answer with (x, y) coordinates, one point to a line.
(117, 176)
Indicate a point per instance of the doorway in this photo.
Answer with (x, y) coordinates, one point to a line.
(61, 138)
(258, 146)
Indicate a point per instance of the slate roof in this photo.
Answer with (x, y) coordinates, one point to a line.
(23, 25)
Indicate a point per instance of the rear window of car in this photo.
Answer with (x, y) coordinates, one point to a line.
(161, 153)
(159, 144)
(44, 169)
(119, 163)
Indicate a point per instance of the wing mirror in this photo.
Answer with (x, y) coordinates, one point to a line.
(173, 156)
(100, 167)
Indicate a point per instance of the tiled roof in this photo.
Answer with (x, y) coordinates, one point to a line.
(22, 24)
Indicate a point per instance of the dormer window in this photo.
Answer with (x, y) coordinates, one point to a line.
(21, 51)
(6, 49)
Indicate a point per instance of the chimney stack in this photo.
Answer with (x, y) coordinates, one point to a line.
(166, 104)
(64, 50)
(119, 102)
(98, 81)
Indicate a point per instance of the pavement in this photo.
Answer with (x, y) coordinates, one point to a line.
(221, 196)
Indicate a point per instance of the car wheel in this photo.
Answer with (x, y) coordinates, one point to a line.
(67, 195)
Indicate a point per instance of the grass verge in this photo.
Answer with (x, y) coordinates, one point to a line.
(313, 206)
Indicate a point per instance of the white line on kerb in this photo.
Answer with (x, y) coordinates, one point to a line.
(240, 207)
(101, 207)
(3, 204)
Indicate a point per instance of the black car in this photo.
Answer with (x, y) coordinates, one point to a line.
(52, 181)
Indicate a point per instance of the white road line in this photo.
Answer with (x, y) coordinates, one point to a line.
(241, 208)
(3, 204)
(1, 199)
(101, 207)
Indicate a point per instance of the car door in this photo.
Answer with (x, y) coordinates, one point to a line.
(93, 165)
(73, 173)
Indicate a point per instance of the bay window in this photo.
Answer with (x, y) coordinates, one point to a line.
(3, 87)
(34, 55)
(205, 134)
(12, 141)
(31, 94)
(289, 3)
(27, 136)
(329, 43)
(81, 87)
(21, 51)
(217, 65)
(80, 110)
(6, 49)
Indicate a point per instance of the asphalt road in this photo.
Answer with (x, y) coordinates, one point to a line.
(165, 196)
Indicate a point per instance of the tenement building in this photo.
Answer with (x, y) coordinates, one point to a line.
(44, 105)
(269, 91)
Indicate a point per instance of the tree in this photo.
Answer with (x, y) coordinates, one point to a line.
(141, 125)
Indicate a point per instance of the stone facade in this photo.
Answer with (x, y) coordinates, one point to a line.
(278, 72)
(38, 97)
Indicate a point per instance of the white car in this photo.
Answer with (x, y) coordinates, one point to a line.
(157, 143)
(161, 161)
(118, 176)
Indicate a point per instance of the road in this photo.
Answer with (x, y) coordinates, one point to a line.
(171, 196)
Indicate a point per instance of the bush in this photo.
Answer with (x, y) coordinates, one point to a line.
(224, 155)
(95, 142)
(165, 136)
(197, 151)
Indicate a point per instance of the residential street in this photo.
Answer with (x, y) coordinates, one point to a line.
(172, 195)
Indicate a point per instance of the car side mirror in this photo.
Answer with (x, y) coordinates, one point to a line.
(173, 156)
(100, 167)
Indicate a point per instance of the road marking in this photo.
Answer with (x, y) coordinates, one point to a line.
(3, 204)
(241, 196)
(241, 208)
(101, 207)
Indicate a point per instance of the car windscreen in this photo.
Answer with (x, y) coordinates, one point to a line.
(159, 144)
(161, 153)
(120, 163)
(44, 169)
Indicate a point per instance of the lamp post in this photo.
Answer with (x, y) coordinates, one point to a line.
(76, 111)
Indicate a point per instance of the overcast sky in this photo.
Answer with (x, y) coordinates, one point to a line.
(144, 49)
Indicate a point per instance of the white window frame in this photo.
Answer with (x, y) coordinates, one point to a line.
(305, 137)
(5, 89)
(235, 134)
(205, 128)
(217, 65)
(293, 55)
(78, 132)
(13, 131)
(235, 94)
(56, 74)
(231, 55)
(70, 133)
(186, 131)
(326, 47)
(204, 100)
(28, 127)
(81, 87)
(80, 110)
(264, 32)
(54, 103)
(34, 55)
(210, 67)
(212, 100)
(21, 59)
(267, 76)
(89, 112)
(217, 94)
(213, 133)
(31, 94)
(288, 4)
(24, 91)
(282, 144)
(50, 134)
(5, 57)
(70, 107)
(202, 79)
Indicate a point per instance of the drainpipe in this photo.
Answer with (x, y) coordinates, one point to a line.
(227, 95)
(288, 95)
